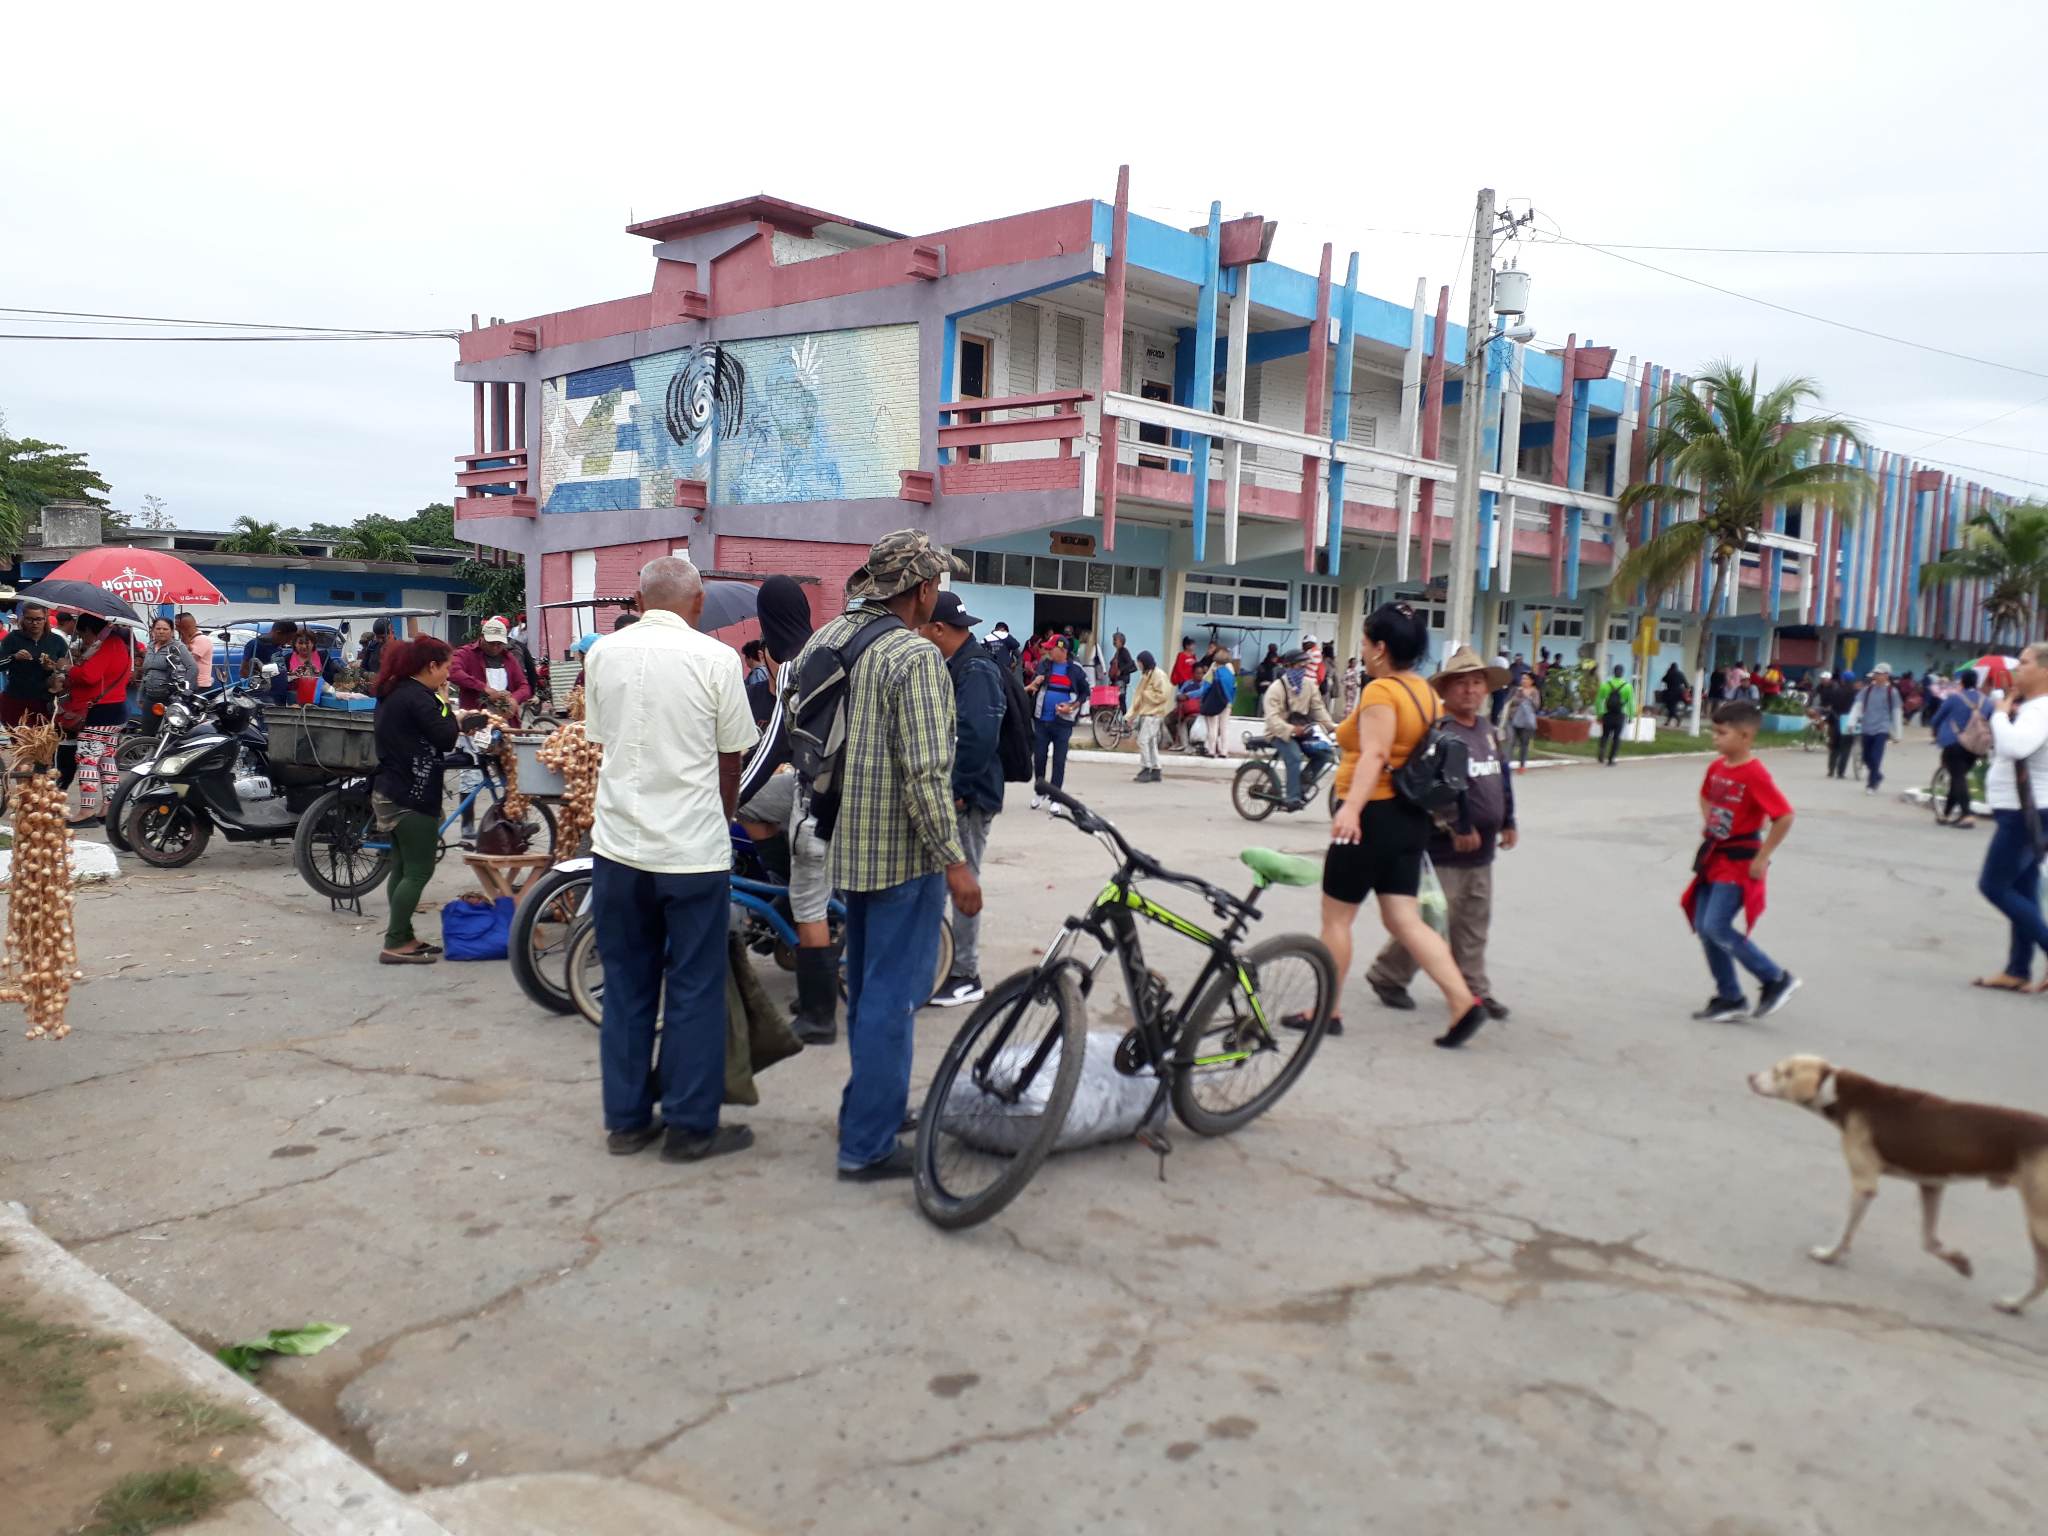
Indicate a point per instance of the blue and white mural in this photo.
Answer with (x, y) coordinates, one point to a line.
(823, 417)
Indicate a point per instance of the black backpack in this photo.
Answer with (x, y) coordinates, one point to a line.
(1013, 741)
(1438, 770)
(1613, 709)
(818, 713)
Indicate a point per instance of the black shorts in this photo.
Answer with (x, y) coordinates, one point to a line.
(1387, 858)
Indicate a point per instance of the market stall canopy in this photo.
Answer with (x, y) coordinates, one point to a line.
(145, 576)
(79, 596)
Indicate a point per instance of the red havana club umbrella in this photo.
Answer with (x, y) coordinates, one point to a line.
(145, 577)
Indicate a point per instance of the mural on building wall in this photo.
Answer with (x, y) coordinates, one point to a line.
(820, 417)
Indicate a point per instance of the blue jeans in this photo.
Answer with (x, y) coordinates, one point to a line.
(1293, 753)
(1050, 735)
(2011, 882)
(654, 930)
(1873, 759)
(1713, 919)
(892, 948)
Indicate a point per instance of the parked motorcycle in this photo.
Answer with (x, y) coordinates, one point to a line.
(215, 774)
(178, 717)
(1259, 788)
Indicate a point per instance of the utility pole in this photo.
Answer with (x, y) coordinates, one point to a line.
(1471, 411)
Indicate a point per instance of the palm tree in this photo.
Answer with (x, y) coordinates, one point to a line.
(1744, 454)
(374, 541)
(252, 537)
(2008, 552)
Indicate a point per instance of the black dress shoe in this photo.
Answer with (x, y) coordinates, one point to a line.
(1493, 1009)
(1466, 1027)
(626, 1143)
(1391, 997)
(901, 1163)
(693, 1147)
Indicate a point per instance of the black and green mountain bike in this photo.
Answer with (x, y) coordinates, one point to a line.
(1224, 1054)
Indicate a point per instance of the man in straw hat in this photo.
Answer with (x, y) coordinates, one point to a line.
(1463, 851)
(896, 850)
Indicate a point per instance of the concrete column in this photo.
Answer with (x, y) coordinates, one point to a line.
(1175, 590)
(1490, 618)
(1352, 599)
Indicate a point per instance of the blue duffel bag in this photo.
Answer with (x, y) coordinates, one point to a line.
(477, 930)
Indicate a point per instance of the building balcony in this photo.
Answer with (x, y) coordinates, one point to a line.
(493, 485)
(1012, 443)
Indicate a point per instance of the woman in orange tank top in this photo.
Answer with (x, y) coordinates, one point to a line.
(1377, 838)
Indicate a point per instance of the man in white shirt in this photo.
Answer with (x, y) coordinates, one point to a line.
(2011, 877)
(669, 706)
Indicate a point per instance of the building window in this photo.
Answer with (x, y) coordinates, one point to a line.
(1047, 574)
(341, 594)
(1670, 632)
(1148, 581)
(988, 568)
(1620, 629)
(376, 597)
(1243, 597)
(1318, 597)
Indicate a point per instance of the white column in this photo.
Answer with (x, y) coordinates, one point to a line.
(1410, 429)
(1233, 406)
(1510, 464)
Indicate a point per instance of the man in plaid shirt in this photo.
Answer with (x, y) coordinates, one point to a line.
(896, 850)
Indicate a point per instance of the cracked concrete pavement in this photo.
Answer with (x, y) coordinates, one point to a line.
(1556, 1280)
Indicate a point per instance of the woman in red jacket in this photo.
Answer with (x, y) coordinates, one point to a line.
(96, 706)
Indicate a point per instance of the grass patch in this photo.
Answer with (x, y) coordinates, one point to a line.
(189, 1416)
(50, 1367)
(151, 1501)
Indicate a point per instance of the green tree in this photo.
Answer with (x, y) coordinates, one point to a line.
(374, 538)
(499, 588)
(433, 526)
(2007, 551)
(1737, 454)
(33, 474)
(252, 537)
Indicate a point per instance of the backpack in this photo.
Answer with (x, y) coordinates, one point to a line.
(817, 712)
(1975, 735)
(1214, 700)
(1438, 770)
(1611, 708)
(1013, 739)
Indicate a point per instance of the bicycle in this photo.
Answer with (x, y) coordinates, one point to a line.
(1112, 727)
(1003, 1089)
(339, 853)
(760, 917)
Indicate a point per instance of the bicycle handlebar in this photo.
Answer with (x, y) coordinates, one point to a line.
(1087, 821)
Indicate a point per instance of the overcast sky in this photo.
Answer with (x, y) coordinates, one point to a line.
(394, 167)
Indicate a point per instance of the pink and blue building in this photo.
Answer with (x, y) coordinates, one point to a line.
(1054, 393)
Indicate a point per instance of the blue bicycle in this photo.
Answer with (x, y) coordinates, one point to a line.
(760, 915)
(339, 852)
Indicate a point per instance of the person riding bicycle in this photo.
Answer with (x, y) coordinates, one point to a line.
(1294, 707)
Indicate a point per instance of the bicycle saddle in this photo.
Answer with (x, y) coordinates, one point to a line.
(1273, 868)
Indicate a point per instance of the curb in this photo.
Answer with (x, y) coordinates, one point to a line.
(310, 1485)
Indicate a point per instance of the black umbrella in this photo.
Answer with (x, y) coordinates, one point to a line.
(84, 596)
(727, 603)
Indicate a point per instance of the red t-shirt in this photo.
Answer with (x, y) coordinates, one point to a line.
(1183, 668)
(1739, 802)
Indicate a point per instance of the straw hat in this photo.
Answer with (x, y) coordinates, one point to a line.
(1463, 660)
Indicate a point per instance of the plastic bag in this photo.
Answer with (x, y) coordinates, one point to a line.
(1436, 907)
(477, 931)
(1107, 1105)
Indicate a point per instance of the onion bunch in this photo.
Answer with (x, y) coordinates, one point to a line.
(41, 949)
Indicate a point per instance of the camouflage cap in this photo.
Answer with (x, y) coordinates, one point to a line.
(899, 561)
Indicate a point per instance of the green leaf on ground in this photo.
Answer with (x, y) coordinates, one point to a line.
(246, 1359)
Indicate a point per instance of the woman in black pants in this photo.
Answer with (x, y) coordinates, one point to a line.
(1949, 721)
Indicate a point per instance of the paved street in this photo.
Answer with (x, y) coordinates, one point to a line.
(1555, 1282)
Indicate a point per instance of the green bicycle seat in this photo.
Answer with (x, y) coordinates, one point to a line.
(1274, 868)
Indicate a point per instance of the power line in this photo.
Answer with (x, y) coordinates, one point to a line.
(249, 325)
(342, 336)
(1780, 250)
(1803, 314)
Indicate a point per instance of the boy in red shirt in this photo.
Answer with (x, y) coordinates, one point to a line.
(1737, 799)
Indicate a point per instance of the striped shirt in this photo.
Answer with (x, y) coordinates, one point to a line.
(896, 818)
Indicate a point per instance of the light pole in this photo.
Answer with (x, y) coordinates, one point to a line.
(1463, 580)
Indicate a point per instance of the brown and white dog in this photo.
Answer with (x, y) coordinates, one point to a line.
(1932, 1141)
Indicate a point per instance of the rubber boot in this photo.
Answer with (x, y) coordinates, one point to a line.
(817, 995)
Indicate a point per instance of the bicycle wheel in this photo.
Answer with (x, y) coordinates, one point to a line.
(539, 947)
(1937, 793)
(1255, 790)
(1000, 1097)
(940, 971)
(1237, 1055)
(329, 851)
(584, 972)
(1110, 728)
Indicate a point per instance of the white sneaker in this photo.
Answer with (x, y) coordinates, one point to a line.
(1037, 802)
(1059, 810)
